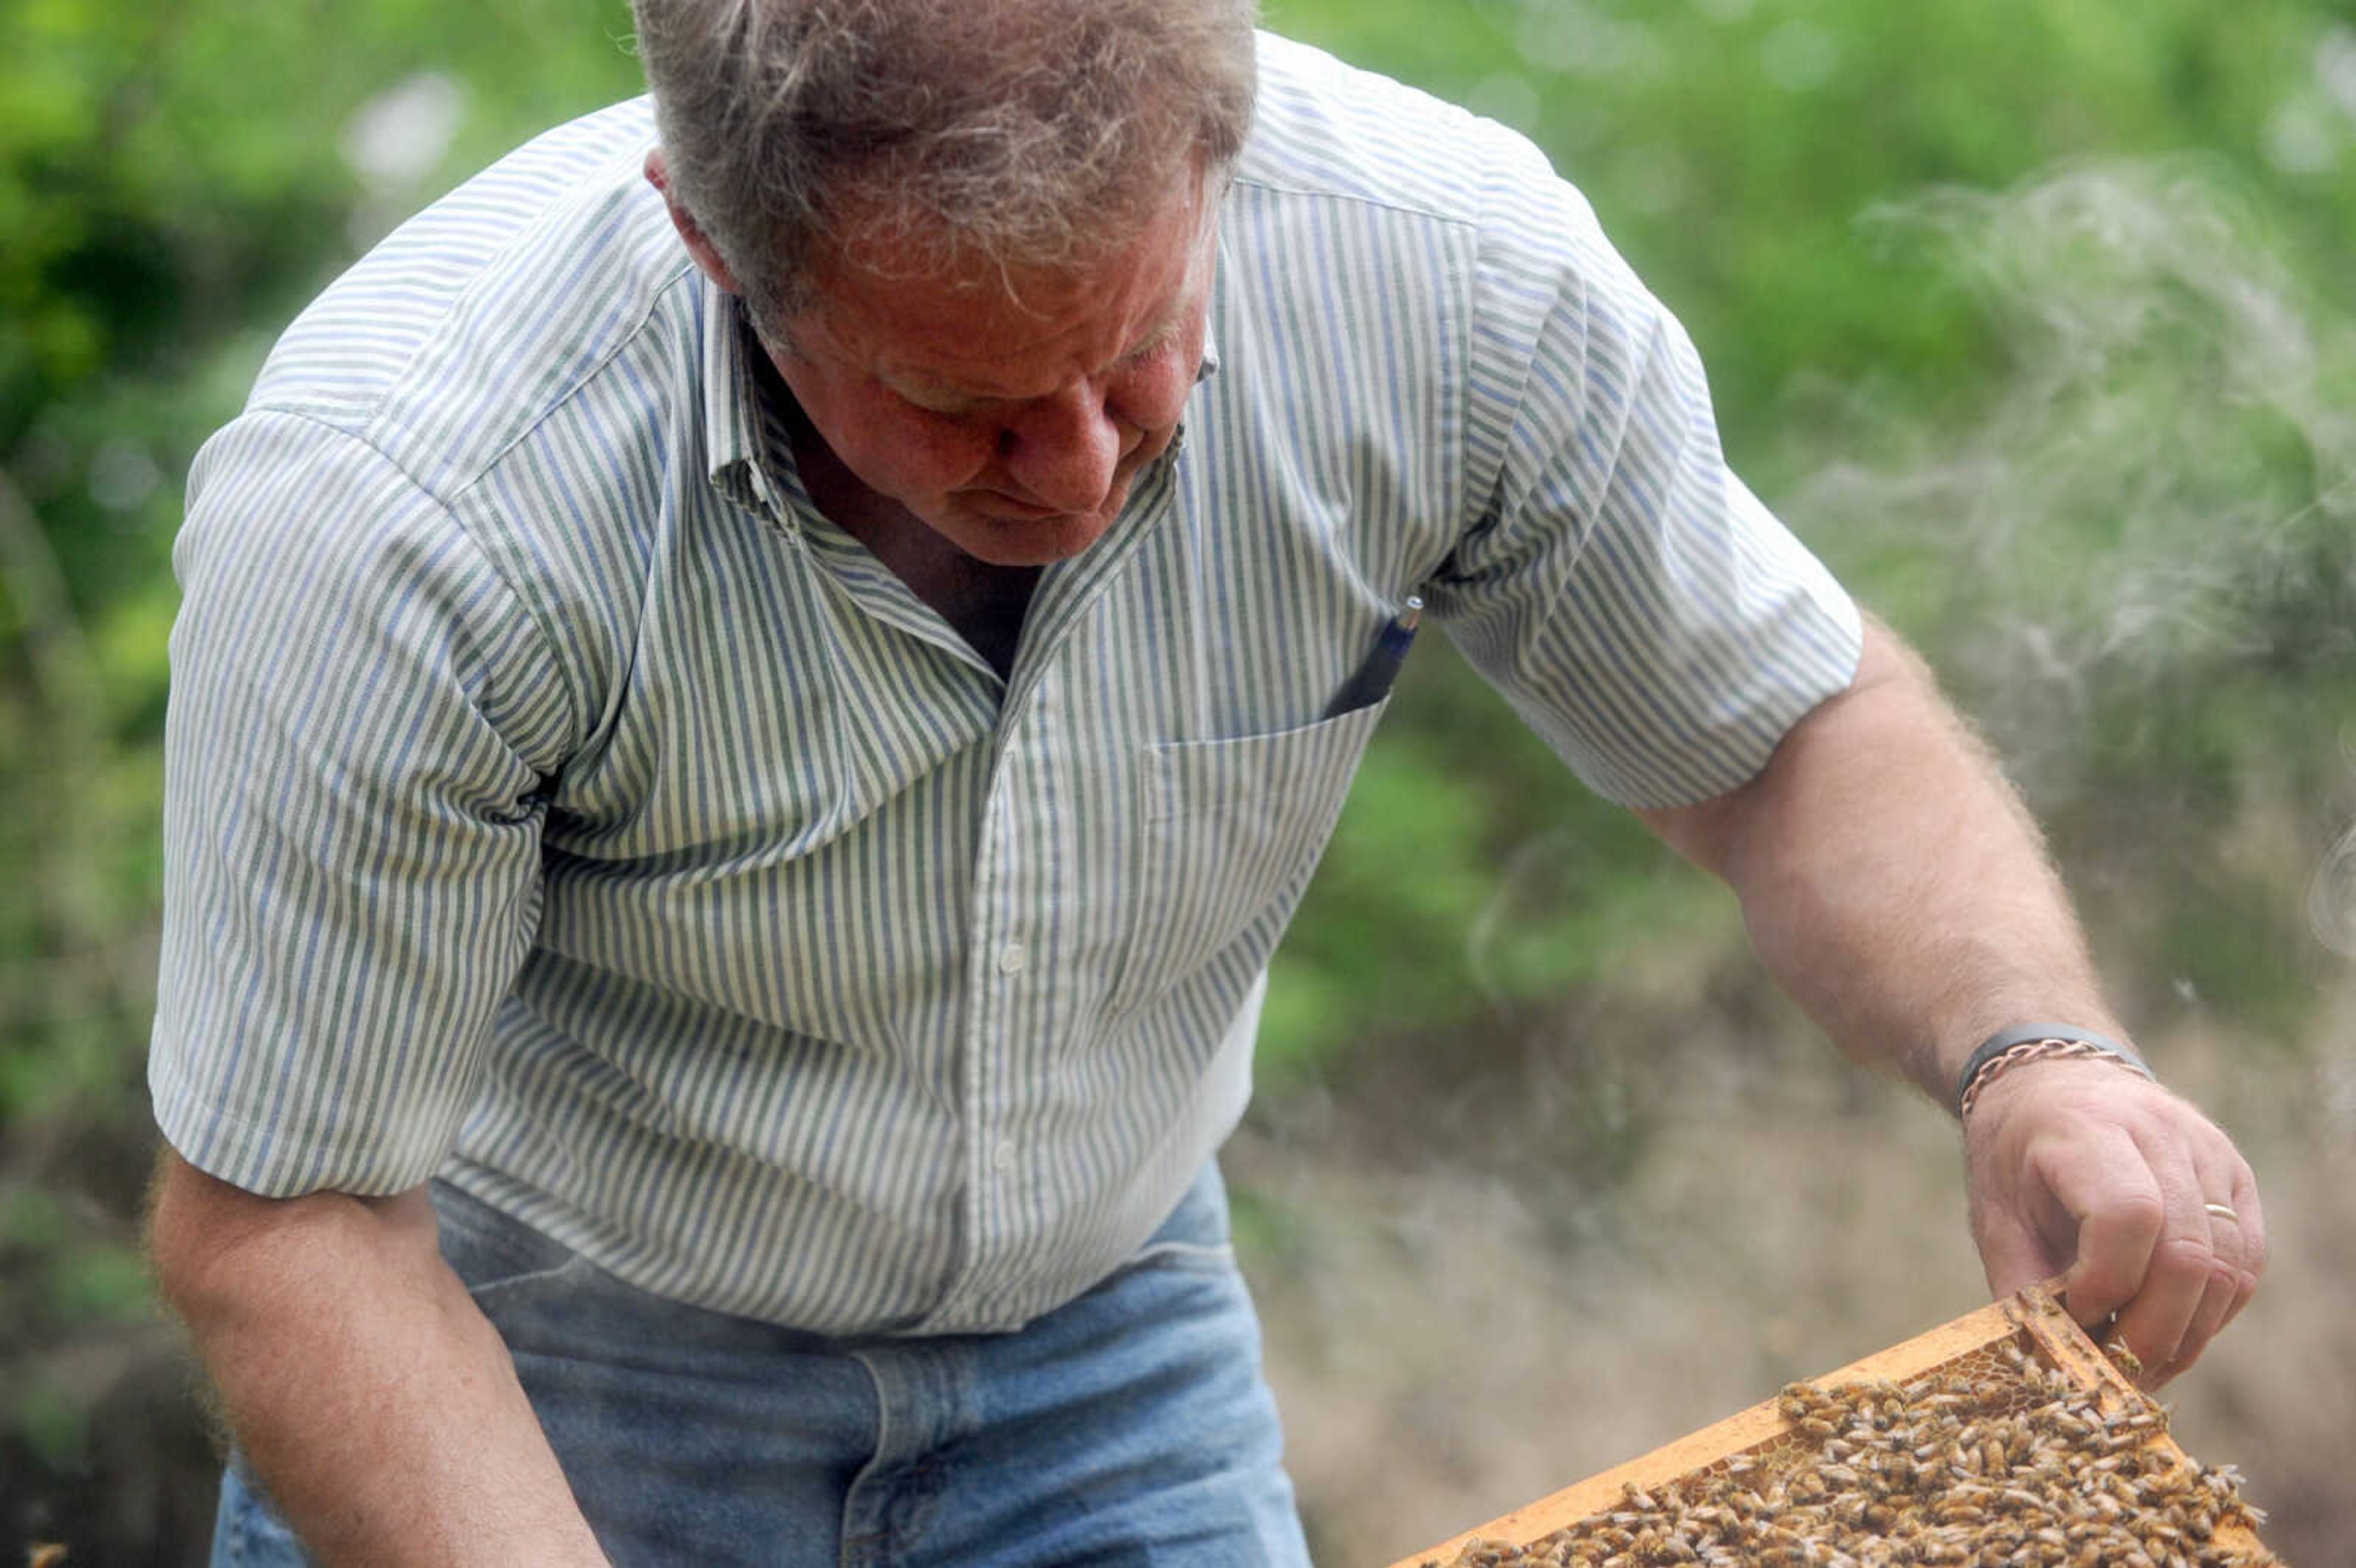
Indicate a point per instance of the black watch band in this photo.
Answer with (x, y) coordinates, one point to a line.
(2086, 1041)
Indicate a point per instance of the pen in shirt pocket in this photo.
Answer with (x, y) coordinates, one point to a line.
(1375, 677)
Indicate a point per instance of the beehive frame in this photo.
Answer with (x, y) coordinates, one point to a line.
(2031, 1320)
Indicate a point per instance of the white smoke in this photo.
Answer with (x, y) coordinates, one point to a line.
(2163, 488)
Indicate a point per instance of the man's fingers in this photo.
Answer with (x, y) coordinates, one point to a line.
(2215, 1305)
(2107, 1187)
(2237, 1243)
(2015, 1255)
(2253, 1215)
(2184, 1267)
(2220, 1290)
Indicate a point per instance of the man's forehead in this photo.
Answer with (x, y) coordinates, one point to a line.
(972, 319)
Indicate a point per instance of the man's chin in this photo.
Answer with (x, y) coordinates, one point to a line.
(1037, 546)
(1039, 540)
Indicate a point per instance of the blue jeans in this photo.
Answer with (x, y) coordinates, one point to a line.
(1129, 1427)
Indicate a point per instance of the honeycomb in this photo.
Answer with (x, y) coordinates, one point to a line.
(2004, 1437)
(1988, 1370)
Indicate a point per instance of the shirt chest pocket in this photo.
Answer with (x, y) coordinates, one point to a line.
(1228, 835)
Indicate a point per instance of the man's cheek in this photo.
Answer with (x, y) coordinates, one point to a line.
(928, 463)
(885, 466)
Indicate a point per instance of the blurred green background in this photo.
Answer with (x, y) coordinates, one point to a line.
(2034, 319)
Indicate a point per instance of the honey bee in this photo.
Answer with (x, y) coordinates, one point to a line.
(2023, 1467)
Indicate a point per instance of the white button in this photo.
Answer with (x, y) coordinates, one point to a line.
(1011, 958)
(1002, 1156)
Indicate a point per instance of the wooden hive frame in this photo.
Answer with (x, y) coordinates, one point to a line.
(2032, 1319)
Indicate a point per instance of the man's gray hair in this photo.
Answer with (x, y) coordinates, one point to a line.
(1037, 135)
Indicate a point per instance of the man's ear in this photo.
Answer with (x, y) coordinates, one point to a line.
(698, 244)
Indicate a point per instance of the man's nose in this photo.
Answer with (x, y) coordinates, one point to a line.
(1063, 451)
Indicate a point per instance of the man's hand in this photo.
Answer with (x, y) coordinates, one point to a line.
(1900, 892)
(2082, 1169)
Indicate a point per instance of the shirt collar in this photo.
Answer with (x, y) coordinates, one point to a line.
(738, 451)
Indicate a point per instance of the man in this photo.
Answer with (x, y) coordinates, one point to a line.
(719, 722)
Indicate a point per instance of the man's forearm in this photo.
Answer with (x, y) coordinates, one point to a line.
(1898, 890)
(1892, 881)
(374, 1400)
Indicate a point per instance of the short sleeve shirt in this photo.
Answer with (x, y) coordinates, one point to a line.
(558, 805)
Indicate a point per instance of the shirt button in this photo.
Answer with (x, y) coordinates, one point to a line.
(1011, 958)
(1002, 1158)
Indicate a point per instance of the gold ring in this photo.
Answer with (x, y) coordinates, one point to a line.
(2223, 1211)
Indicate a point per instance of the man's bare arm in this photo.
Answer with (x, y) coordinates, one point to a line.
(1896, 887)
(376, 1403)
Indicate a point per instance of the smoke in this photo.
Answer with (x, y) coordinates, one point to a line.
(2331, 896)
(1533, 886)
(2162, 489)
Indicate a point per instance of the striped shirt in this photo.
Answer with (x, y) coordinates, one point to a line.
(557, 803)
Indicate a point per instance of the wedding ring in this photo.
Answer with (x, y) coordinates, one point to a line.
(2223, 1211)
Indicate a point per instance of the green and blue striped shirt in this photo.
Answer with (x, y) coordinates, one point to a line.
(558, 804)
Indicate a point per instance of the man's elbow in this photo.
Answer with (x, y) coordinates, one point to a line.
(180, 1215)
(215, 1248)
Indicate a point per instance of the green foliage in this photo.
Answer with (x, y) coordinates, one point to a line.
(52, 1421)
(2073, 417)
(101, 1284)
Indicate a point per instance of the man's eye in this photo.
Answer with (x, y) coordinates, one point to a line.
(1163, 342)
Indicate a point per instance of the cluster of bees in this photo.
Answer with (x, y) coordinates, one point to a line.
(2023, 1470)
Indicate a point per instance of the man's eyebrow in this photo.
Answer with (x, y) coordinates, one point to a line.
(1156, 337)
